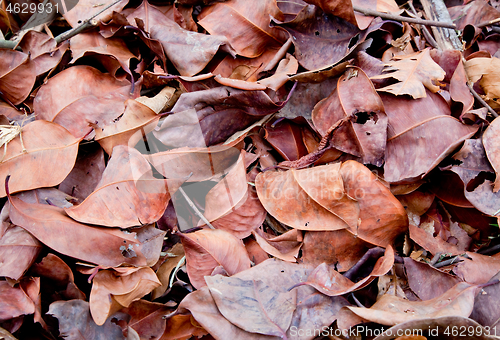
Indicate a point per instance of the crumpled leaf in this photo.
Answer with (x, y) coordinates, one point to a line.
(414, 71)
(285, 246)
(148, 318)
(55, 146)
(252, 305)
(207, 249)
(491, 143)
(75, 322)
(127, 194)
(113, 53)
(391, 310)
(114, 289)
(189, 51)
(320, 39)
(365, 134)
(51, 226)
(412, 147)
(473, 162)
(245, 25)
(18, 250)
(95, 99)
(330, 282)
(55, 272)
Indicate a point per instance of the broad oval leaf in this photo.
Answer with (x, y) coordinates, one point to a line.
(39, 142)
(207, 249)
(308, 199)
(51, 226)
(127, 195)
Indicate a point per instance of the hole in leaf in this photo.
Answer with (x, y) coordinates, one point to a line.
(316, 33)
(479, 179)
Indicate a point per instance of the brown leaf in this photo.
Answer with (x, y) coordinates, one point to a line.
(286, 136)
(245, 25)
(391, 310)
(182, 327)
(365, 134)
(14, 302)
(202, 163)
(188, 51)
(421, 276)
(382, 216)
(285, 246)
(86, 173)
(265, 310)
(338, 247)
(206, 249)
(413, 71)
(320, 39)
(473, 162)
(17, 75)
(137, 121)
(58, 275)
(412, 147)
(174, 257)
(55, 146)
(313, 311)
(486, 70)
(51, 226)
(127, 194)
(330, 282)
(491, 147)
(75, 322)
(308, 199)
(114, 289)
(148, 318)
(96, 99)
(204, 118)
(18, 250)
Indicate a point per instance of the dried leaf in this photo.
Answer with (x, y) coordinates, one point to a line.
(25, 152)
(206, 249)
(491, 144)
(18, 250)
(413, 71)
(245, 25)
(127, 194)
(114, 289)
(265, 310)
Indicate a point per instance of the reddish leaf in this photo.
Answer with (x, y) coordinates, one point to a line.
(365, 134)
(18, 250)
(127, 194)
(492, 149)
(207, 249)
(14, 302)
(22, 158)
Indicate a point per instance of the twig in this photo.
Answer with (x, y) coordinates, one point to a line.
(428, 36)
(370, 12)
(90, 22)
(481, 100)
(491, 250)
(448, 262)
(488, 23)
(195, 209)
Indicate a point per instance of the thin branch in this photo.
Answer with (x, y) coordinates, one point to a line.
(89, 23)
(427, 35)
(481, 100)
(370, 12)
(195, 208)
(488, 23)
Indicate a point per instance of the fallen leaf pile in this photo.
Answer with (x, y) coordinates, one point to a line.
(263, 169)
